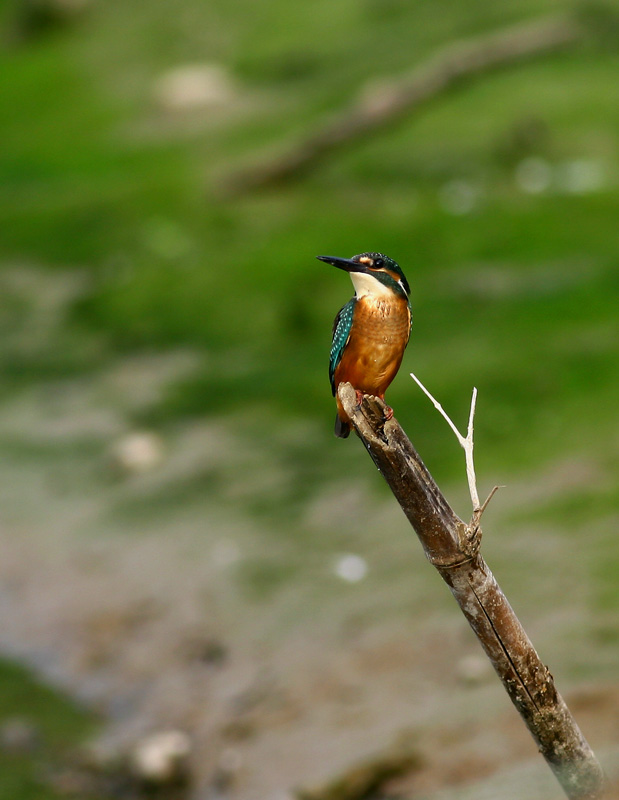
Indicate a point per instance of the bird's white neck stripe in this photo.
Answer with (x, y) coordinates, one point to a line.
(368, 285)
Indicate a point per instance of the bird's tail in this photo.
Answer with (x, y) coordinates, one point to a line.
(342, 429)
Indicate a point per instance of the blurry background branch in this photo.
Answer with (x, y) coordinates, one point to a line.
(444, 537)
(390, 100)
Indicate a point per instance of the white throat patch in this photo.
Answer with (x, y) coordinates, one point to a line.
(366, 284)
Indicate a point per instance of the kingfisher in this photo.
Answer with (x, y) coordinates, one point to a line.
(371, 331)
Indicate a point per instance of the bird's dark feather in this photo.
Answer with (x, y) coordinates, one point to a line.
(341, 335)
(342, 429)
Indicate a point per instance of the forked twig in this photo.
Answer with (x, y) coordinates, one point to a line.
(466, 442)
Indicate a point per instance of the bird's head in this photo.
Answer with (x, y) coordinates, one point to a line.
(372, 273)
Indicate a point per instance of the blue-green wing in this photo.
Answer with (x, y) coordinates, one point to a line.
(341, 335)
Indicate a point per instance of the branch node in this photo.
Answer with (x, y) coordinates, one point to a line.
(473, 528)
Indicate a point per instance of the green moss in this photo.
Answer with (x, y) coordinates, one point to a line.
(58, 725)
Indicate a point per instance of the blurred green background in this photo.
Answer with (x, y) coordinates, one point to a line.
(164, 343)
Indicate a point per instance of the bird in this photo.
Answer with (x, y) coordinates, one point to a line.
(371, 331)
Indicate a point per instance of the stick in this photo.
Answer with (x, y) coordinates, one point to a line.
(402, 96)
(466, 442)
(443, 536)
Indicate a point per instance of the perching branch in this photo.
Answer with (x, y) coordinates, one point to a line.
(403, 96)
(445, 540)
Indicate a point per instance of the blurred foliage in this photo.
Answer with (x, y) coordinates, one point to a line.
(510, 289)
(500, 202)
(57, 725)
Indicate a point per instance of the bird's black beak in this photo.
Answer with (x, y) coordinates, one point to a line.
(347, 264)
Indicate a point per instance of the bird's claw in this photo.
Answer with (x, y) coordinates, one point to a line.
(387, 412)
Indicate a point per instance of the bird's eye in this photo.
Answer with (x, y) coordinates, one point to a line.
(378, 263)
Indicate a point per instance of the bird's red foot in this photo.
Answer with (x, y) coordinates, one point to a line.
(388, 413)
(359, 397)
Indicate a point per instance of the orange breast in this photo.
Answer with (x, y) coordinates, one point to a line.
(377, 341)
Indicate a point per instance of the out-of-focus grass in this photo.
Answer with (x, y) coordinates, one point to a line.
(515, 292)
(58, 726)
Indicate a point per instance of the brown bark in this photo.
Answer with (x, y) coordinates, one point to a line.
(453, 548)
(402, 96)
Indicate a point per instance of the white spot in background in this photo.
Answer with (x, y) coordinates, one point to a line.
(459, 197)
(580, 176)
(194, 86)
(533, 175)
(351, 568)
(162, 756)
(139, 452)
